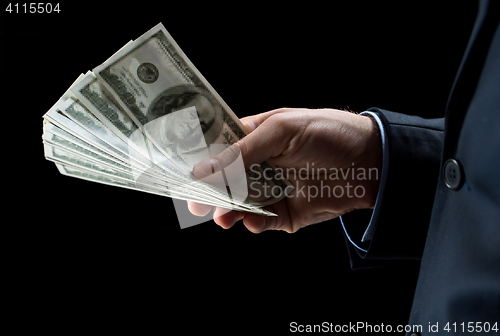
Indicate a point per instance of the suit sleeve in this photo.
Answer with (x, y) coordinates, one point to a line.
(398, 224)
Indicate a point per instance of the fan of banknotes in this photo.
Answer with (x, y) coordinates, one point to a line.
(143, 119)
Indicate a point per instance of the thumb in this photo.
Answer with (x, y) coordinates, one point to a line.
(266, 141)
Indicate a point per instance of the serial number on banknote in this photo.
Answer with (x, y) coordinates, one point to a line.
(33, 7)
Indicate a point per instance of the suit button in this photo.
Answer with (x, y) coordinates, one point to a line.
(415, 334)
(452, 174)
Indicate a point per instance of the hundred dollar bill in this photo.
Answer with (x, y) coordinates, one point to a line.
(88, 163)
(86, 126)
(71, 159)
(102, 140)
(177, 109)
(60, 139)
(91, 93)
(57, 137)
(89, 175)
(105, 149)
(111, 117)
(94, 176)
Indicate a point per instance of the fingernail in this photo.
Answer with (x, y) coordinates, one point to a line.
(250, 126)
(205, 168)
(258, 224)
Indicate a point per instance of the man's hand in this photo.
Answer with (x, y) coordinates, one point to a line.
(346, 145)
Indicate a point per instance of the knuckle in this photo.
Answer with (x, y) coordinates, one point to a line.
(283, 110)
(277, 122)
(285, 125)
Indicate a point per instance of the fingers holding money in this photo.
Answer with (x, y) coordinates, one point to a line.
(266, 142)
(222, 217)
(226, 157)
(267, 138)
(226, 219)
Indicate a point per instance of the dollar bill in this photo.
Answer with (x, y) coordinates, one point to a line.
(89, 175)
(111, 117)
(176, 108)
(86, 126)
(106, 152)
(91, 167)
(143, 119)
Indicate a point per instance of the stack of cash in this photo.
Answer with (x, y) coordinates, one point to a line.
(143, 119)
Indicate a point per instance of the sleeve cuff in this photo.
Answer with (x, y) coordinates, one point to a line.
(355, 238)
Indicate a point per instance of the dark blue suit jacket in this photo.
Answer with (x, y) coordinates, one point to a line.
(454, 232)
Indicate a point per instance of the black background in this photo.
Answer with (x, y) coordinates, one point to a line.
(85, 256)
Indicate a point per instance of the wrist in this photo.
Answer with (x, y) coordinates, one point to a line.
(370, 161)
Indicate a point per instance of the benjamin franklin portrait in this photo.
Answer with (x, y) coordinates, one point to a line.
(181, 129)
